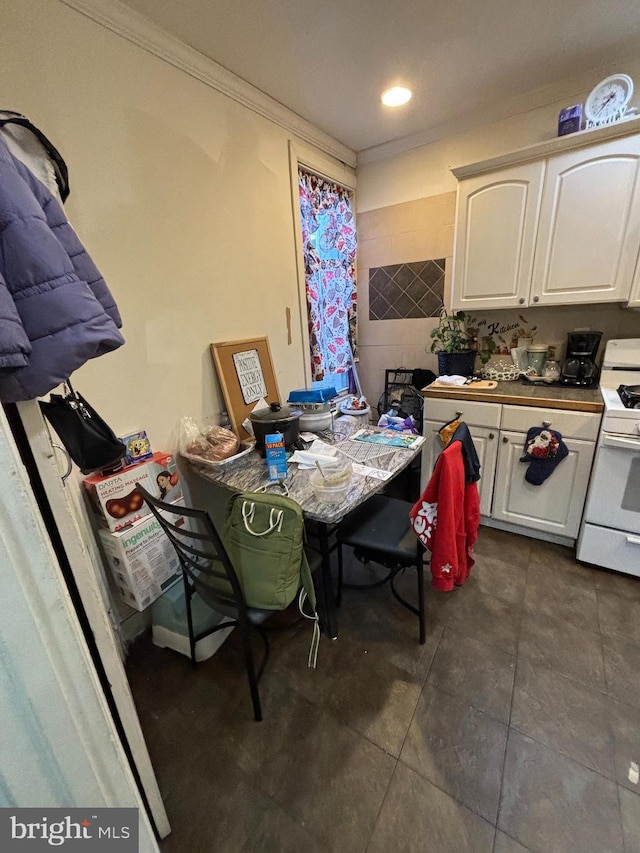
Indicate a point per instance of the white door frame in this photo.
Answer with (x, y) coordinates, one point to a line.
(58, 743)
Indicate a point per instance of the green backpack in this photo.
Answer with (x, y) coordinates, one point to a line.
(264, 537)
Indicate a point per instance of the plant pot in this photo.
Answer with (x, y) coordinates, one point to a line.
(460, 363)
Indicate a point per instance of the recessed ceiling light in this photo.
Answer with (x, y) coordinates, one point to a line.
(396, 96)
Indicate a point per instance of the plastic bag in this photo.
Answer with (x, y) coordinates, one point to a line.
(214, 445)
(389, 421)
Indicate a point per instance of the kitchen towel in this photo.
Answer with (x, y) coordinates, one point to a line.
(544, 449)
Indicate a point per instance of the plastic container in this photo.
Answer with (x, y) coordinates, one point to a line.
(537, 356)
(170, 630)
(332, 485)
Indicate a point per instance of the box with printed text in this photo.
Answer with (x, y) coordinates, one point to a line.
(141, 559)
(115, 500)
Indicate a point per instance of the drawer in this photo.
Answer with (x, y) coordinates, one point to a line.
(612, 549)
(584, 425)
(472, 413)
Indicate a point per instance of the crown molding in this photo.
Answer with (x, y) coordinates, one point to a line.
(137, 29)
(569, 91)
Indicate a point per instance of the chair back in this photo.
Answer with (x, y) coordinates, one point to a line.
(203, 557)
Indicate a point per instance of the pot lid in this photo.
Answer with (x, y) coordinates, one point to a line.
(275, 412)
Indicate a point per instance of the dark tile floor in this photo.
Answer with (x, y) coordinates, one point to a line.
(515, 728)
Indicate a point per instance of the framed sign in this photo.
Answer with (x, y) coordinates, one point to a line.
(246, 375)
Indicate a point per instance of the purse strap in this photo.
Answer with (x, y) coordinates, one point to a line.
(75, 401)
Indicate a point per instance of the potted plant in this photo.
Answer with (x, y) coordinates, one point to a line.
(453, 344)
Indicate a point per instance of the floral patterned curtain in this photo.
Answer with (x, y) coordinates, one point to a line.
(329, 245)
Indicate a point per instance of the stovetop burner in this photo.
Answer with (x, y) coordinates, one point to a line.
(630, 396)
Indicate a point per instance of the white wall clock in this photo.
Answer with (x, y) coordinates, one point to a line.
(608, 101)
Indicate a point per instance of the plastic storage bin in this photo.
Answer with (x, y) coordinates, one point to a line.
(169, 623)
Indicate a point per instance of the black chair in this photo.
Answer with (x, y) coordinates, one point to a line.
(379, 531)
(208, 571)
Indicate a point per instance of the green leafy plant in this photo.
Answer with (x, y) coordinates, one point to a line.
(451, 335)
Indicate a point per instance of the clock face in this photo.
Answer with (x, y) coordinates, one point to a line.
(609, 97)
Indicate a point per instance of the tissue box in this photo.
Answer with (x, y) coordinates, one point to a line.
(115, 500)
(142, 560)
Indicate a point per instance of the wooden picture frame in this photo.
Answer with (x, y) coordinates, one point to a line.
(246, 375)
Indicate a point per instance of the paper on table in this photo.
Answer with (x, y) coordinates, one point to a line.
(366, 471)
(323, 454)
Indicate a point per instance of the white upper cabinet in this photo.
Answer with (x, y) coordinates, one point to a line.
(495, 231)
(559, 228)
(634, 299)
(589, 227)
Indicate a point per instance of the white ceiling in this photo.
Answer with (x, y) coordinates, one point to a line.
(329, 60)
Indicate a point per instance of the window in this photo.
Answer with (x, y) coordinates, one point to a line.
(329, 250)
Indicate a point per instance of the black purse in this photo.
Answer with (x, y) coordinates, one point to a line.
(89, 441)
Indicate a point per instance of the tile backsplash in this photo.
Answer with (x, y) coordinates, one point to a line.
(406, 291)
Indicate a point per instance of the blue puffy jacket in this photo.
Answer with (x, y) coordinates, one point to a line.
(56, 311)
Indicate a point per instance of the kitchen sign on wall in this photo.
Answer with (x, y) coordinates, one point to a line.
(250, 376)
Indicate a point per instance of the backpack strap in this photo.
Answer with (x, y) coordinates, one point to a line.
(275, 519)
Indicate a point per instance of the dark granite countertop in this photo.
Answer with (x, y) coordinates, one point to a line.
(516, 393)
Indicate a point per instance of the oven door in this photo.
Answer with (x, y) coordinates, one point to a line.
(614, 491)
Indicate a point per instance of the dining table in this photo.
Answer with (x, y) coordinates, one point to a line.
(374, 466)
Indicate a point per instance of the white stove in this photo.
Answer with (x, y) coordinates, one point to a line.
(610, 532)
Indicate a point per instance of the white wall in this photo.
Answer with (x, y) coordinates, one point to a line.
(182, 197)
(425, 170)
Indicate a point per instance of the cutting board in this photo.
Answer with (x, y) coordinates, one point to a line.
(481, 385)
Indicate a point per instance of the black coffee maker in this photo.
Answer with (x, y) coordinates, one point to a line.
(579, 367)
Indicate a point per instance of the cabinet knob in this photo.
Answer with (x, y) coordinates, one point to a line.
(491, 435)
(521, 300)
(536, 299)
(505, 439)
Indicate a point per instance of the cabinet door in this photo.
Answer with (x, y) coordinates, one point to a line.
(486, 444)
(634, 299)
(589, 228)
(495, 232)
(556, 505)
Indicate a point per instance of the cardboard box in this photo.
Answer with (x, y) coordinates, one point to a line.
(142, 560)
(276, 456)
(115, 500)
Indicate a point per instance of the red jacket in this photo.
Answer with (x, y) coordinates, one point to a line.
(446, 518)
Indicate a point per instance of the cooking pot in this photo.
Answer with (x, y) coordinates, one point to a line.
(277, 418)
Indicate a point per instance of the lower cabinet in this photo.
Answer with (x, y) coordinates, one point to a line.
(485, 440)
(556, 504)
(552, 509)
